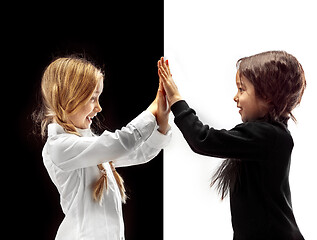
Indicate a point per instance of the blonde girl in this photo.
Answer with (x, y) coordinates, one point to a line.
(83, 165)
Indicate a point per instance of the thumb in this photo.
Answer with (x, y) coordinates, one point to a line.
(161, 87)
(160, 97)
(162, 102)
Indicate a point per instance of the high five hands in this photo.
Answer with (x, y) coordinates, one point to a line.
(160, 109)
(167, 92)
(167, 81)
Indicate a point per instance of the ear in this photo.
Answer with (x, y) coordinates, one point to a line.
(265, 103)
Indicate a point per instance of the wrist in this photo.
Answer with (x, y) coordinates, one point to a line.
(164, 129)
(152, 109)
(175, 99)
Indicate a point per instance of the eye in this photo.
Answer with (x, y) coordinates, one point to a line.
(93, 99)
(241, 89)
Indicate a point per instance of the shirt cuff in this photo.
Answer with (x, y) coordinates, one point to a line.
(158, 140)
(145, 124)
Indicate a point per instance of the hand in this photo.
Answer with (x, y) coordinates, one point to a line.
(163, 110)
(160, 109)
(170, 87)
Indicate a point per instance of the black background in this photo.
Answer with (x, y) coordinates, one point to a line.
(126, 40)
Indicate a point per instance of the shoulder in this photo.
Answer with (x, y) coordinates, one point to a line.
(58, 141)
(268, 131)
(57, 134)
(264, 125)
(255, 127)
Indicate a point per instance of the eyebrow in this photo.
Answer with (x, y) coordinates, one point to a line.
(240, 83)
(97, 92)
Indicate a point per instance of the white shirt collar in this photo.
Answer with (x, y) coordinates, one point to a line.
(55, 129)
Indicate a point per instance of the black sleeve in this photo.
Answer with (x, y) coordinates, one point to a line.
(247, 141)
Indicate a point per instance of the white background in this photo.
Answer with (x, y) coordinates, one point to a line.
(203, 39)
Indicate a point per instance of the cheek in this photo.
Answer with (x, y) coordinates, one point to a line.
(246, 104)
(88, 108)
(81, 115)
(76, 119)
(86, 111)
(243, 99)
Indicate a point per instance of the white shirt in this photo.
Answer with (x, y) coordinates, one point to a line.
(71, 162)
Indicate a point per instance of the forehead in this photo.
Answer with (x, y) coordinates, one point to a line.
(242, 81)
(99, 87)
(238, 79)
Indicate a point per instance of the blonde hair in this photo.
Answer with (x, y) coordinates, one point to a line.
(67, 84)
(102, 184)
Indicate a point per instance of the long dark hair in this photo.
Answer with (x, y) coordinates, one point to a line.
(227, 176)
(279, 79)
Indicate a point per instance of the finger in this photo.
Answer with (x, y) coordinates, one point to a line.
(162, 104)
(161, 87)
(168, 67)
(164, 71)
(166, 62)
(159, 63)
(162, 74)
(162, 61)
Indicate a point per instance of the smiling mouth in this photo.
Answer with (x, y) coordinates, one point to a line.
(89, 119)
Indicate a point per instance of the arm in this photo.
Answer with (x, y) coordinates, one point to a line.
(247, 141)
(147, 150)
(70, 152)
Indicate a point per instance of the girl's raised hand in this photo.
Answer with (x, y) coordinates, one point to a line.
(163, 110)
(160, 109)
(170, 87)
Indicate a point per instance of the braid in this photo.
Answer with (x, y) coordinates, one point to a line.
(102, 184)
(68, 127)
(120, 183)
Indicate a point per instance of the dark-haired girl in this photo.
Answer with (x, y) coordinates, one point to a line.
(258, 151)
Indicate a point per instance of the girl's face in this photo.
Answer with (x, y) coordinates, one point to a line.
(251, 107)
(83, 117)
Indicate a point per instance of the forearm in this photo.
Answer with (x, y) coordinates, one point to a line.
(247, 141)
(147, 151)
(192, 129)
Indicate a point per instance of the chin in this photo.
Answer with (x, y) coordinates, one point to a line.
(244, 119)
(84, 126)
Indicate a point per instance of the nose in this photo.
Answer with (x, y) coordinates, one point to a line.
(98, 108)
(236, 98)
